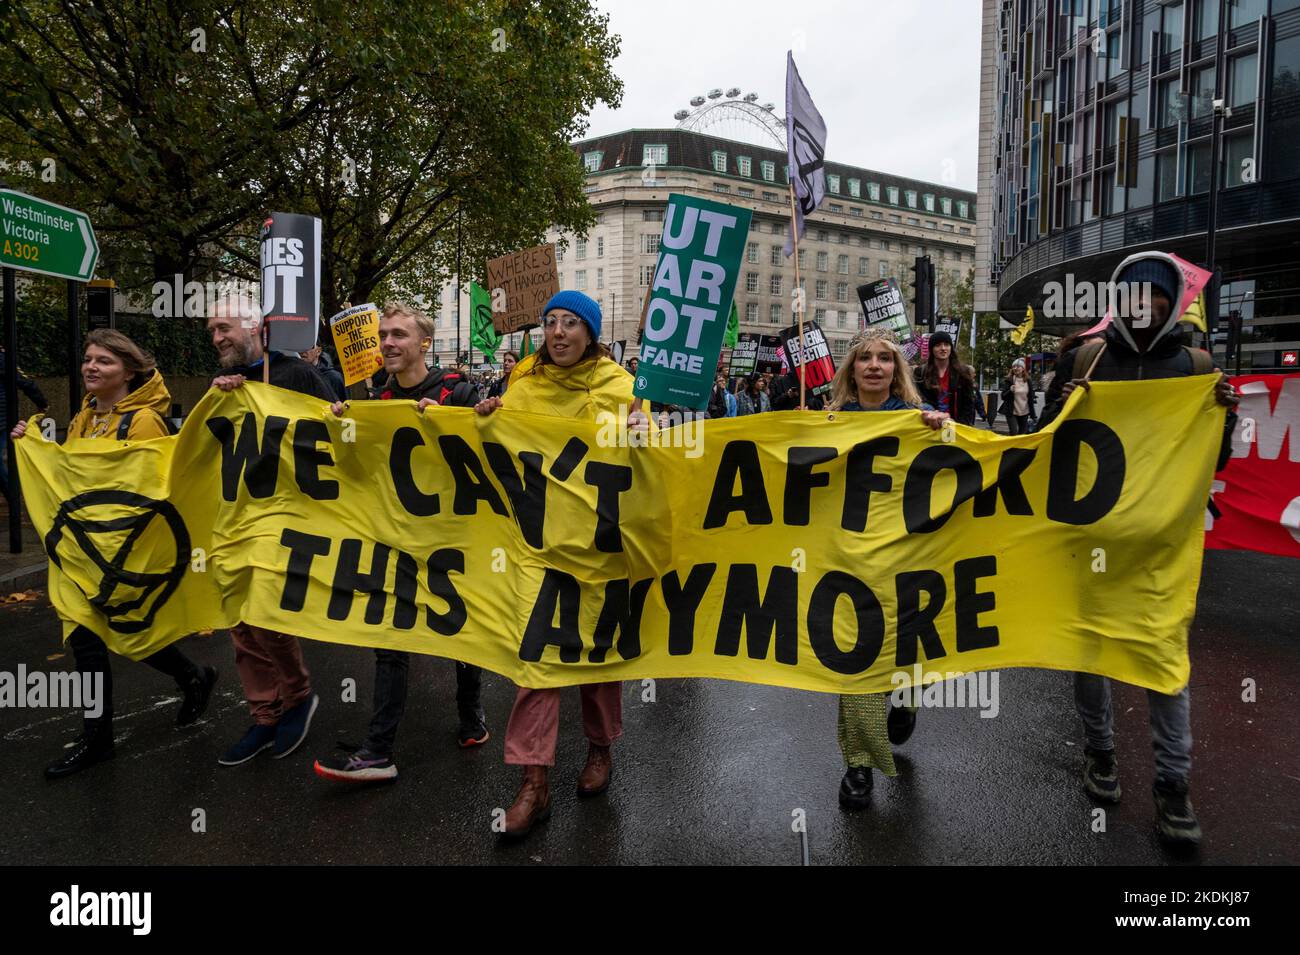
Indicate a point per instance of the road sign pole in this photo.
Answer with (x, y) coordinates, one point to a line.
(74, 348)
(11, 410)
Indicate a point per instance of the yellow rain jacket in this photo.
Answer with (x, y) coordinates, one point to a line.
(147, 405)
(583, 390)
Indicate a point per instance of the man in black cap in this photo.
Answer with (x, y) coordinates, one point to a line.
(1141, 342)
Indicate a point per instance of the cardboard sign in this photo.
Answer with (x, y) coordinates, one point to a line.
(769, 355)
(356, 338)
(952, 326)
(521, 284)
(700, 251)
(813, 353)
(882, 304)
(291, 281)
(744, 355)
(616, 350)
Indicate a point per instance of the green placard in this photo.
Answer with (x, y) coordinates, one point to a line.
(44, 237)
(699, 261)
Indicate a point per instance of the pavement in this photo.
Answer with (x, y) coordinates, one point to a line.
(708, 771)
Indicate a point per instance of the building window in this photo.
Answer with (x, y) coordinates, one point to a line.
(778, 228)
(751, 252)
(855, 211)
(842, 264)
(751, 282)
(746, 192)
(770, 196)
(580, 280)
(775, 258)
(582, 249)
(559, 254)
(964, 230)
(591, 161)
(873, 191)
(656, 154)
(931, 224)
(1237, 152)
(820, 288)
(911, 198)
(1241, 79)
(928, 201)
(774, 285)
(768, 169)
(823, 235)
(843, 320)
(745, 165)
(945, 206)
(774, 314)
(823, 261)
(652, 215)
(721, 187)
(855, 188)
(719, 161)
(884, 270)
(842, 238)
(600, 246)
(893, 195)
(819, 315)
(751, 313)
(644, 277)
(841, 291)
(836, 207)
(876, 215)
(962, 208)
(803, 258)
(947, 227)
(650, 243)
(833, 183)
(600, 278)
(1166, 176)
(913, 220)
(864, 266)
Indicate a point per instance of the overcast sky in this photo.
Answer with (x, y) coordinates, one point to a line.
(896, 82)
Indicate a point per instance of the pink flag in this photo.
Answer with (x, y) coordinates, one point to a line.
(1194, 279)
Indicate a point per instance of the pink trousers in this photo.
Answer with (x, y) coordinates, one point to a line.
(535, 722)
(272, 670)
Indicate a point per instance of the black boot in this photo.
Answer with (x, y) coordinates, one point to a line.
(1174, 815)
(473, 729)
(855, 788)
(1101, 774)
(93, 746)
(197, 690)
(900, 723)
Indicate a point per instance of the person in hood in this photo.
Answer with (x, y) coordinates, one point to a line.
(570, 376)
(271, 667)
(1141, 343)
(126, 400)
(405, 336)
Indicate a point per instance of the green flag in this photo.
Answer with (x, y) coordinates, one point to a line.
(481, 333)
(526, 346)
(733, 328)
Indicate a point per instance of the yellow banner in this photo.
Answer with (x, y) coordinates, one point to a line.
(803, 549)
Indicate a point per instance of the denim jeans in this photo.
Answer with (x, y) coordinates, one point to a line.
(91, 655)
(1171, 727)
(392, 668)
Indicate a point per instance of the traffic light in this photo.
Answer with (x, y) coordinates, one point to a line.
(923, 292)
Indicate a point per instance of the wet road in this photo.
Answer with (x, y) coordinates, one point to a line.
(707, 772)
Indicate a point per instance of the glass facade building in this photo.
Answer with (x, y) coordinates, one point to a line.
(1097, 125)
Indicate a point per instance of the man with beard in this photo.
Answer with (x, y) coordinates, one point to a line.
(405, 335)
(276, 683)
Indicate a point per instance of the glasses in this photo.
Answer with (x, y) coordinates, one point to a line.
(568, 323)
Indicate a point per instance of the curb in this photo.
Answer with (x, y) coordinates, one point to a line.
(24, 578)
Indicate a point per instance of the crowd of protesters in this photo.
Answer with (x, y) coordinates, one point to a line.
(571, 376)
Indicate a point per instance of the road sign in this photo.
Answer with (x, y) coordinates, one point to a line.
(44, 237)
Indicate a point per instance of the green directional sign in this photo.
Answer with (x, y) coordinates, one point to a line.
(45, 237)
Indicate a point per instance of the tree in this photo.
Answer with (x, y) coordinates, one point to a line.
(177, 126)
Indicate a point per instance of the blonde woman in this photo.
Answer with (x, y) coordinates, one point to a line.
(874, 376)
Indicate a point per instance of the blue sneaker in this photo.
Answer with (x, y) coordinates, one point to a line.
(257, 738)
(361, 766)
(293, 726)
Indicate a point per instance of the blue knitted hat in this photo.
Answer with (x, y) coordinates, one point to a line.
(581, 305)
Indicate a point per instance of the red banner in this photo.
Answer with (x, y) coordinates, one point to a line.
(1258, 493)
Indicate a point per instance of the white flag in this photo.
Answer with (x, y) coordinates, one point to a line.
(805, 136)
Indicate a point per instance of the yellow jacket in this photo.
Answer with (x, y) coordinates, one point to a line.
(150, 403)
(583, 390)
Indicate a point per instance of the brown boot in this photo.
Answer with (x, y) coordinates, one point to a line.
(595, 775)
(532, 803)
